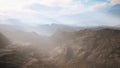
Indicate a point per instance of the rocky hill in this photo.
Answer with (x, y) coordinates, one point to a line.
(87, 48)
(99, 48)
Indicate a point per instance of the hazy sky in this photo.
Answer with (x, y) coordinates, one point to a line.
(77, 12)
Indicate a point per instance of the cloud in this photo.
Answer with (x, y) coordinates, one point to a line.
(63, 7)
(113, 2)
(97, 6)
(33, 11)
(2, 13)
(39, 7)
(72, 9)
(53, 3)
(59, 7)
(114, 10)
(54, 7)
(99, 1)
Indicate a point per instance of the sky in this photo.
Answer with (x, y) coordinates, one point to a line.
(70, 12)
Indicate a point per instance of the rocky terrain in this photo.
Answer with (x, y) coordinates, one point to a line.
(86, 48)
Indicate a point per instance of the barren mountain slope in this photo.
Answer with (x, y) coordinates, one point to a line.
(99, 48)
(87, 48)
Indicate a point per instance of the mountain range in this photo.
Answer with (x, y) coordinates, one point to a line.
(86, 48)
